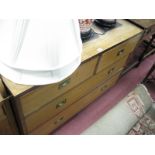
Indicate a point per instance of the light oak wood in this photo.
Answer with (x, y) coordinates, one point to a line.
(112, 69)
(42, 95)
(117, 52)
(52, 124)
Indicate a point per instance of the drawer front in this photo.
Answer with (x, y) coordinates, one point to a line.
(114, 68)
(39, 97)
(62, 117)
(133, 42)
(48, 111)
(117, 53)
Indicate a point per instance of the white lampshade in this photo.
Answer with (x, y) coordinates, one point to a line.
(38, 52)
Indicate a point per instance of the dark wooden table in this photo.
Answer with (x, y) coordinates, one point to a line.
(147, 78)
(144, 48)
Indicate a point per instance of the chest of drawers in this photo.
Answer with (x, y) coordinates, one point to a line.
(42, 109)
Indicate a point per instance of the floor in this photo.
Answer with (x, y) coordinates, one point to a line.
(100, 106)
(151, 88)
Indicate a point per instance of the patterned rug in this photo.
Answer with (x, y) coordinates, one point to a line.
(146, 125)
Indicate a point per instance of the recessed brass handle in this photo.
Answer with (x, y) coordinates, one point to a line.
(104, 87)
(111, 70)
(61, 103)
(64, 83)
(59, 120)
(120, 52)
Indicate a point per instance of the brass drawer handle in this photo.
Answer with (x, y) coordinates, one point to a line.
(61, 103)
(59, 120)
(111, 70)
(120, 52)
(104, 87)
(64, 83)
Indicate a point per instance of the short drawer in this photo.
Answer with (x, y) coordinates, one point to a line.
(57, 105)
(114, 68)
(40, 96)
(62, 117)
(116, 53)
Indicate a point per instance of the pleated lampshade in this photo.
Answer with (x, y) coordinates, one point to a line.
(37, 52)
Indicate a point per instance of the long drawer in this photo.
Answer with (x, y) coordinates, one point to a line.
(116, 53)
(62, 117)
(39, 97)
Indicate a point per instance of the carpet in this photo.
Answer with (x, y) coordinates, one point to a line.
(123, 116)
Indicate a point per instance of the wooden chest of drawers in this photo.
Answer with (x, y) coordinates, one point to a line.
(62, 102)
(40, 110)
